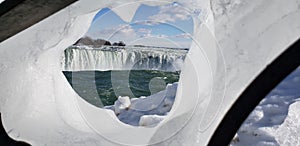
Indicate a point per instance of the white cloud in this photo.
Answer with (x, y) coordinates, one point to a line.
(155, 41)
(162, 36)
(183, 35)
(161, 41)
(147, 22)
(121, 32)
(170, 13)
(142, 36)
(144, 30)
(148, 33)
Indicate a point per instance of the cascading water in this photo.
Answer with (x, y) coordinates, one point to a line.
(123, 58)
(108, 75)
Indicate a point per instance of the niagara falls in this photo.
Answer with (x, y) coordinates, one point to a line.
(135, 71)
(147, 75)
(149, 72)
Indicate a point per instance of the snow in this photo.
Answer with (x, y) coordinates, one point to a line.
(150, 120)
(275, 121)
(145, 111)
(288, 132)
(234, 40)
(123, 103)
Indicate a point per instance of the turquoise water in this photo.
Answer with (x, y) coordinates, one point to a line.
(101, 88)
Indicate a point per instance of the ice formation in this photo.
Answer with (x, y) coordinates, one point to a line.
(234, 40)
(123, 103)
(275, 121)
(145, 111)
(150, 120)
(123, 59)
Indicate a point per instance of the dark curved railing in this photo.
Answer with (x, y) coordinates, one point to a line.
(5, 140)
(17, 15)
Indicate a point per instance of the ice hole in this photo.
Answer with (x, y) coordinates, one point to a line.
(53, 113)
(131, 68)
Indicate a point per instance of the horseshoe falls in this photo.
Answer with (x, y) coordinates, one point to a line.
(105, 76)
(79, 58)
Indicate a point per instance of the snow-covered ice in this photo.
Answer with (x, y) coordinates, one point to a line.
(276, 120)
(150, 120)
(145, 111)
(123, 103)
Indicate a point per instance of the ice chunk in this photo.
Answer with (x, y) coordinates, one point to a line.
(150, 120)
(130, 111)
(288, 132)
(122, 103)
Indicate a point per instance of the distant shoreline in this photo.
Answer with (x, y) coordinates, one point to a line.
(129, 46)
(157, 47)
(101, 43)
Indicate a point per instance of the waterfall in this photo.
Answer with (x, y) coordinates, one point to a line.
(122, 58)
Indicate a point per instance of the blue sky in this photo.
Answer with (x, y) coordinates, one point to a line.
(166, 26)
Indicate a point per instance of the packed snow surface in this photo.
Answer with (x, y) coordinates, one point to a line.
(150, 120)
(276, 120)
(145, 111)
